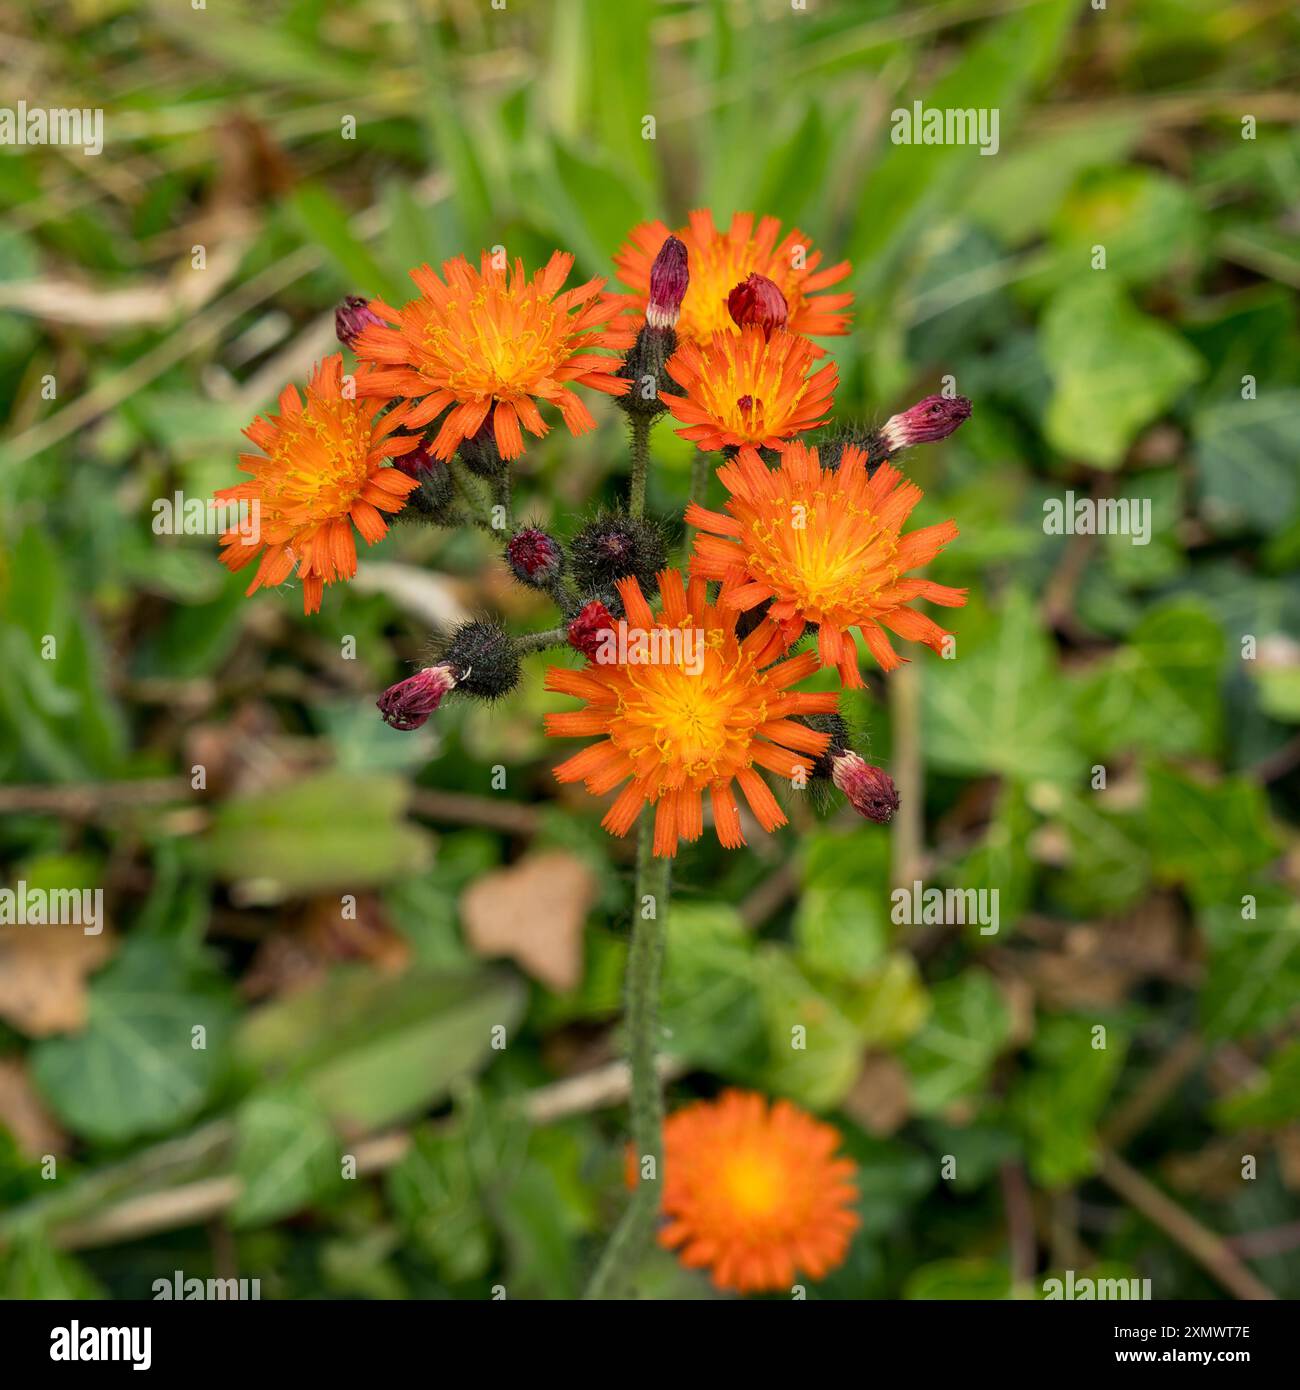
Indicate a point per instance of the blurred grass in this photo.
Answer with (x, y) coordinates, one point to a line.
(317, 149)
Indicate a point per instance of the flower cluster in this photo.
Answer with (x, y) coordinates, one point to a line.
(690, 676)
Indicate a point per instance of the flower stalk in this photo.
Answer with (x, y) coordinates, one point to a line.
(627, 1246)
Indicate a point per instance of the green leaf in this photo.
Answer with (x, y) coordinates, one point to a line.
(711, 1009)
(323, 222)
(1246, 461)
(1159, 692)
(915, 183)
(1271, 1100)
(434, 1194)
(996, 706)
(372, 1049)
(286, 1155)
(841, 922)
(1210, 838)
(1057, 1103)
(330, 831)
(947, 1279)
(815, 1049)
(1253, 979)
(951, 1055)
(135, 1070)
(1113, 370)
(32, 1269)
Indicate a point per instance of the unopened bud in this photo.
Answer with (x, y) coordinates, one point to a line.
(758, 301)
(614, 546)
(535, 558)
(936, 417)
(669, 279)
(870, 790)
(586, 631)
(351, 317)
(409, 703)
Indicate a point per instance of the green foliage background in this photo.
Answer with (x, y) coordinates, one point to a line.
(1120, 907)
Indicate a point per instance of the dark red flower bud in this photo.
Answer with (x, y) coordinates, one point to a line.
(870, 790)
(351, 317)
(936, 417)
(669, 278)
(536, 558)
(409, 703)
(418, 464)
(759, 301)
(585, 631)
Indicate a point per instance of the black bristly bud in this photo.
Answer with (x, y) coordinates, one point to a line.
(483, 656)
(615, 545)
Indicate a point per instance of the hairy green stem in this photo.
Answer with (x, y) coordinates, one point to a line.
(631, 1238)
(701, 466)
(640, 464)
(539, 641)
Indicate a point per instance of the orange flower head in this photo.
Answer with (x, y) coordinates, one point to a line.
(754, 1192)
(825, 546)
(749, 388)
(320, 474)
(491, 343)
(719, 261)
(682, 706)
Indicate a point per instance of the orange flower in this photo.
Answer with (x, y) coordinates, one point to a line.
(747, 388)
(487, 342)
(322, 474)
(825, 547)
(683, 706)
(753, 1192)
(721, 260)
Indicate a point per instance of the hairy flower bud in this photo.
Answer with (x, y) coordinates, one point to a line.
(587, 629)
(409, 703)
(351, 317)
(480, 454)
(759, 301)
(483, 655)
(614, 546)
(870, 790)
(535, 558)
(935, 417)
(669, 279)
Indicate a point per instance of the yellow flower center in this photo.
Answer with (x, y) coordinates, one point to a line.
(755, 1183)
(322, 459)
(694, 729)
(824, 551)
(501, 343)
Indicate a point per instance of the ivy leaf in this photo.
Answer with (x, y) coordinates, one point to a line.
(952, 1053)
(286, 1155)
(1208, 837)
(135, 1069)
(1253, 978)
(1161, 690)
(996, 707)
(1056, 1104)
(1245, 461)
(1113, 370)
